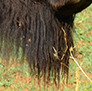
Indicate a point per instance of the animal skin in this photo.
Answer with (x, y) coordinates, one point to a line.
(39, 31)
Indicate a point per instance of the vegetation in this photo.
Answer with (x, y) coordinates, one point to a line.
(16, 77)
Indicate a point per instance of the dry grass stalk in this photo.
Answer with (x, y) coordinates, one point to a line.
(71, 56)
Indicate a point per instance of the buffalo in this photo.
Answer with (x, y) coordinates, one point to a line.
(39, 31)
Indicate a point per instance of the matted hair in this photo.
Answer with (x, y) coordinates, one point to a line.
(39, 31)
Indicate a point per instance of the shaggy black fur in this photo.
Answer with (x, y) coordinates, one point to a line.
(39, 31)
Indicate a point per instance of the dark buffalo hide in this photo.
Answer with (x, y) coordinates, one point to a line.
(39, 31)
